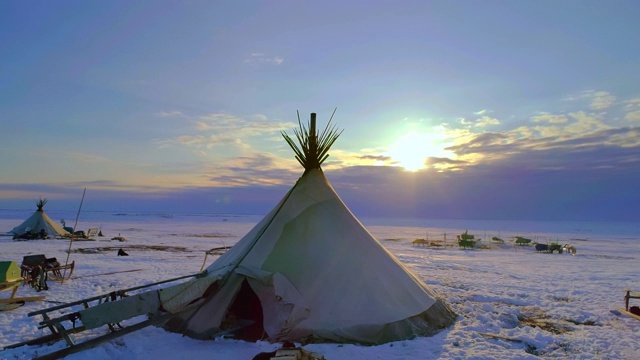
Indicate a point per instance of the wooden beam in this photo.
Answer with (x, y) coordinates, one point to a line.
(99, 297)
(45, 339)
(24, 298)
(89, 344)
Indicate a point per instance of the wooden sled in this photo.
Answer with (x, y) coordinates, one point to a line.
(49, 265)
(627, 313)
(11, 305)
(70, 322)
(630, 294)
(10, 281)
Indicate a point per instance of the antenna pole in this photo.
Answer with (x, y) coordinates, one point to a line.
(71, 238)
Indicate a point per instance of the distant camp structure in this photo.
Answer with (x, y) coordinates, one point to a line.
(522, 241)
(38, 225)
(466, 240)
(307, 272)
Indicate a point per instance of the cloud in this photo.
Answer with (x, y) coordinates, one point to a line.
(548, 145)
(87, 158)
(632, 104)
(600, 100)
(632, 109)
(173, 113)
(483, 121)
(190, 140)
(262, 58)
(573, 124)
(633, 116)
(220, 129)
(549, 118)
(486, 121)
(375, 157)
(253, 171)
(445, 164)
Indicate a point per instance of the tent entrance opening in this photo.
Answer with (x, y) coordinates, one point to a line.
(245, 315)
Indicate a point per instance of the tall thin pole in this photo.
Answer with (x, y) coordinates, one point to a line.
(313, 141)
(71, 238)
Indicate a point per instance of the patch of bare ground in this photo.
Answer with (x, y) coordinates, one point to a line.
(536, 317)
(214, 251)
(100, 249)
(209, 235)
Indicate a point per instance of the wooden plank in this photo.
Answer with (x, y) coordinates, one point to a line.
(10, 285)
(47, 322)
(11, 306)
(45, 339)
(63, 333)
(89, 344)
(24, 298)
(625, 312)
(100, 297)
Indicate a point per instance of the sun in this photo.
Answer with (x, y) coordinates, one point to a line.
(412, 149)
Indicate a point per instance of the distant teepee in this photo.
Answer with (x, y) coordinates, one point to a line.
(39, 221)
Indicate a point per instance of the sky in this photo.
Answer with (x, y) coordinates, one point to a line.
(448, 109)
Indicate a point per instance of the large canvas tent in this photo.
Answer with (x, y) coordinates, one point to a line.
(39, 221)
(308, 271)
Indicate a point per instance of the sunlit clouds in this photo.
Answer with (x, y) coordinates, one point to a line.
(232, 142)
(633, 110)
(601, 100)
(411, 150)
(228, 133)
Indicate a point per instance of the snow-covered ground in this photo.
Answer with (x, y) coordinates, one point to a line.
(544, 305)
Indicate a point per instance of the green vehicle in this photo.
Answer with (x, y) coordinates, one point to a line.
(467, 241)
(522, 241)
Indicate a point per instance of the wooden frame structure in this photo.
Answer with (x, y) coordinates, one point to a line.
(63, 324)
(629, 294)
(10, 280)
(51, 265)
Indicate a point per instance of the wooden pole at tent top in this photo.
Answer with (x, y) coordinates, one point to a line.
(313, 139)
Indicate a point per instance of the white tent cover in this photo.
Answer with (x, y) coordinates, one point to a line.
(318, 274)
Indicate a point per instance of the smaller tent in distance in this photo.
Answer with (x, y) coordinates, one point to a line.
(38, 224)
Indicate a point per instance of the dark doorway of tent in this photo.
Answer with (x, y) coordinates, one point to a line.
(243, 319)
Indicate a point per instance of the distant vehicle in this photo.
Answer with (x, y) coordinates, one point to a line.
(522, 241)
(466, 240)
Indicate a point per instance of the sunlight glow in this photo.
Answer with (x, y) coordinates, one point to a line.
(412, 150)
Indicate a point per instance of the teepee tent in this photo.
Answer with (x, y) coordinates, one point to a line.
(39, 221)
(308, 270)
